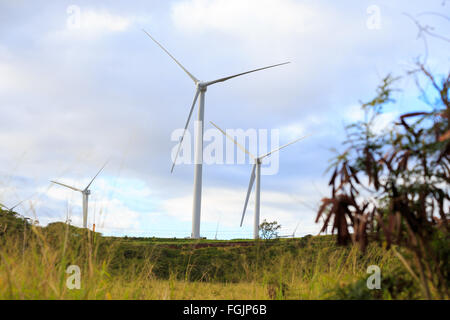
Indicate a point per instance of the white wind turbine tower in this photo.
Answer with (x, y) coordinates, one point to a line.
(85, 192)
(217, 229)
(256, 175)
(201, 88)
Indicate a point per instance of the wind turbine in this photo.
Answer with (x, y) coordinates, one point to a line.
(217, 229)
(12, 208)
(85, 192)
(293, 233)
(17, 204)
(201, 87)
(255, 175)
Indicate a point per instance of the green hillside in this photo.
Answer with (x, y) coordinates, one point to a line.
(313, 267)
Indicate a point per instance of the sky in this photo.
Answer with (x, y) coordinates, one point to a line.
(80, 84)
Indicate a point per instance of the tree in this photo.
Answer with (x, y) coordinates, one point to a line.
(269, 230)
(393, 186)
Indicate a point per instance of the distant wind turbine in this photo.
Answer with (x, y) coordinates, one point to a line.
(10, 209)
(253, 177)
(217, 228)
(201, 87)
(293, 233)
(85, 192)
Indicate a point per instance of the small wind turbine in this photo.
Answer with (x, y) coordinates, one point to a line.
(12, 208)
(293, 233)
(16, 205)
(217, 228)
(253, 177)
(201, 87)
(85, 192)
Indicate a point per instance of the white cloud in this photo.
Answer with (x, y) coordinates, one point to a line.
(10, 77)
(292, 131)
(112, 214)
(95, 20)
(104, 20)
(88, 24)
(356, 113)
(244, 17)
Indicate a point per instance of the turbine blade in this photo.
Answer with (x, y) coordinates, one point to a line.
(16, 205)
(173, 58)
(243, 73)
(235, 142)
(96, 176)
(65, 185)
(282, 147)
(185, 128)
(250, 186)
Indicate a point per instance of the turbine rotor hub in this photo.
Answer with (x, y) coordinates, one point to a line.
(202, 86)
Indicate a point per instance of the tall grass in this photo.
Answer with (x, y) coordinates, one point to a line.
(34, 267)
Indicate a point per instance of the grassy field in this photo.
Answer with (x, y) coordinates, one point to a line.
(34, 262)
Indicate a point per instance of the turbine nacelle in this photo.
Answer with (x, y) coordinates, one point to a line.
(202, 86)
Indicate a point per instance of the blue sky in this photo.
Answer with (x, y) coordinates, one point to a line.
(71, 98)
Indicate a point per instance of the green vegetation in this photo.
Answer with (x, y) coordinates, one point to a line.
(34, 267)
(394, 183)
(269, 230)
